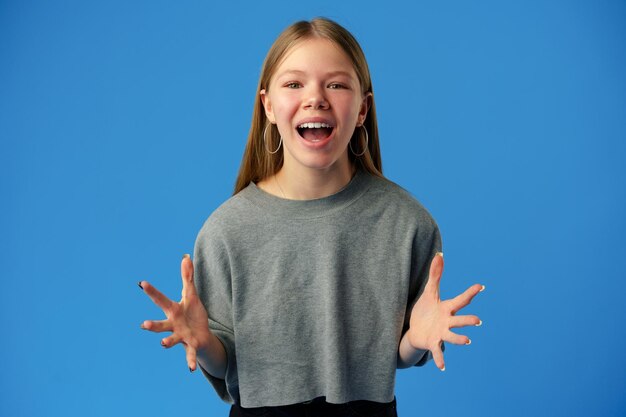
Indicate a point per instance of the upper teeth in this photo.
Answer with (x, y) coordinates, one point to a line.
(315, 125)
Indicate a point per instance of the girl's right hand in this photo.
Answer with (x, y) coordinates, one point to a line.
(187, 320)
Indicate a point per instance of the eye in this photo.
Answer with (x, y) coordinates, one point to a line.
(293, 84)
(335, 86)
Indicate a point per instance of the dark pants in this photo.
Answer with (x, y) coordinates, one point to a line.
(319, 407)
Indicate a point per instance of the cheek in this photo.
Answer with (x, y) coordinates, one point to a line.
(284, 111)
(349, 105)
(284, 107)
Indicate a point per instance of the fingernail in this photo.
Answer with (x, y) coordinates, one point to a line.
(443, 369)
(469, 342)
(190, 370)
(163, 344)
(440, 254)
(142, 326)
(186, 256)
(140, 286)
(482, 289)
(480, 323)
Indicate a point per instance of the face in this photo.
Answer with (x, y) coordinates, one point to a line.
(315, 99)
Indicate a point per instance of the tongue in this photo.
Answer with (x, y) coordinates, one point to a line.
(316, 134)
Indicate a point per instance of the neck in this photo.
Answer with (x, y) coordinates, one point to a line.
(309, 184)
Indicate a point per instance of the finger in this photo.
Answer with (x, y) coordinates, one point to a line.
(186, 272)
(157, 297)
(191, 358)
(438, 357)
(157, 326)
(465, 298)
(456, 339)
(462, 321)
(171, 340)
(434, 275)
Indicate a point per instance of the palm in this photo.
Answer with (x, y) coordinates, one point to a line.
(195, 314)
(431, 319)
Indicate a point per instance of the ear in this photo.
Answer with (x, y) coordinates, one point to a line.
(365, 106)
(267, 105)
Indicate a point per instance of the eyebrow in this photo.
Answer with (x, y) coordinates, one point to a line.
(300, 72)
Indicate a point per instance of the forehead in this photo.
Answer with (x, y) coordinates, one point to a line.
(315, 55)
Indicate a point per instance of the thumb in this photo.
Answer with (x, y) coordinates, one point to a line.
(186, 272)
(436, 270)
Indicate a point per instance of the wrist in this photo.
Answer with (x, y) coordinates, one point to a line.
(205, 341)
(413, 340)
(211, 356)
(408, 355)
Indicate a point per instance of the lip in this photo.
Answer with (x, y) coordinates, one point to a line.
(322, 143)
(317, 120)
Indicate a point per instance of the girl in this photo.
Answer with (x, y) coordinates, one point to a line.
(319, 277)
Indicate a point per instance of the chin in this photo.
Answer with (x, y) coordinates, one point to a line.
(322, 164)
(319, 159)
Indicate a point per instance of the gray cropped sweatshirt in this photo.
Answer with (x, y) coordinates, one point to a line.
(311, 298)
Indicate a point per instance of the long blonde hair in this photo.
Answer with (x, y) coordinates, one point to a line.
(257, 163)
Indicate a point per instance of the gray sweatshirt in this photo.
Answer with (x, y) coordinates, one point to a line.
(311, 298)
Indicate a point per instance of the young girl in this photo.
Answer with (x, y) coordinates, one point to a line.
(319, 277)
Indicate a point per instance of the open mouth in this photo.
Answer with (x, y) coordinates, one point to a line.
(315, 131)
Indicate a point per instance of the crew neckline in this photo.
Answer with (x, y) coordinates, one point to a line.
(302, 209)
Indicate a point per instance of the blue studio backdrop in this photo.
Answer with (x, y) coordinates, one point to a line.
(122, 125)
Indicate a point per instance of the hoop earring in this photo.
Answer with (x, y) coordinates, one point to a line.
(367, 139)
(265, 141)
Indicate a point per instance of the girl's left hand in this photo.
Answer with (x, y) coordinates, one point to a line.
(432, 319)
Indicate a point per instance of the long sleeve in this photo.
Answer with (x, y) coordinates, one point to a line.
(426, 244)
(213, 283)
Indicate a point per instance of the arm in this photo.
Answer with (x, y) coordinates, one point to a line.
(431, 320)
(188, 322)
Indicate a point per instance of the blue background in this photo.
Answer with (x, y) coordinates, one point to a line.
(122, 125)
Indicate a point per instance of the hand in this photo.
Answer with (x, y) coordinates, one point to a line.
(187, 319)
(432, 319)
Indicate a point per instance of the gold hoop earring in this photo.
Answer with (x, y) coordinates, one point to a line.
(265, 141)
(367, 139)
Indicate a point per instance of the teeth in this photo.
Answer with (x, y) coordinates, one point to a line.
(312, 125)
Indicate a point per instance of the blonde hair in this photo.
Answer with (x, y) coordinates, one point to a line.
(257, 163)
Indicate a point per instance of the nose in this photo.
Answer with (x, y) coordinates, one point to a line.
(315, 98)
